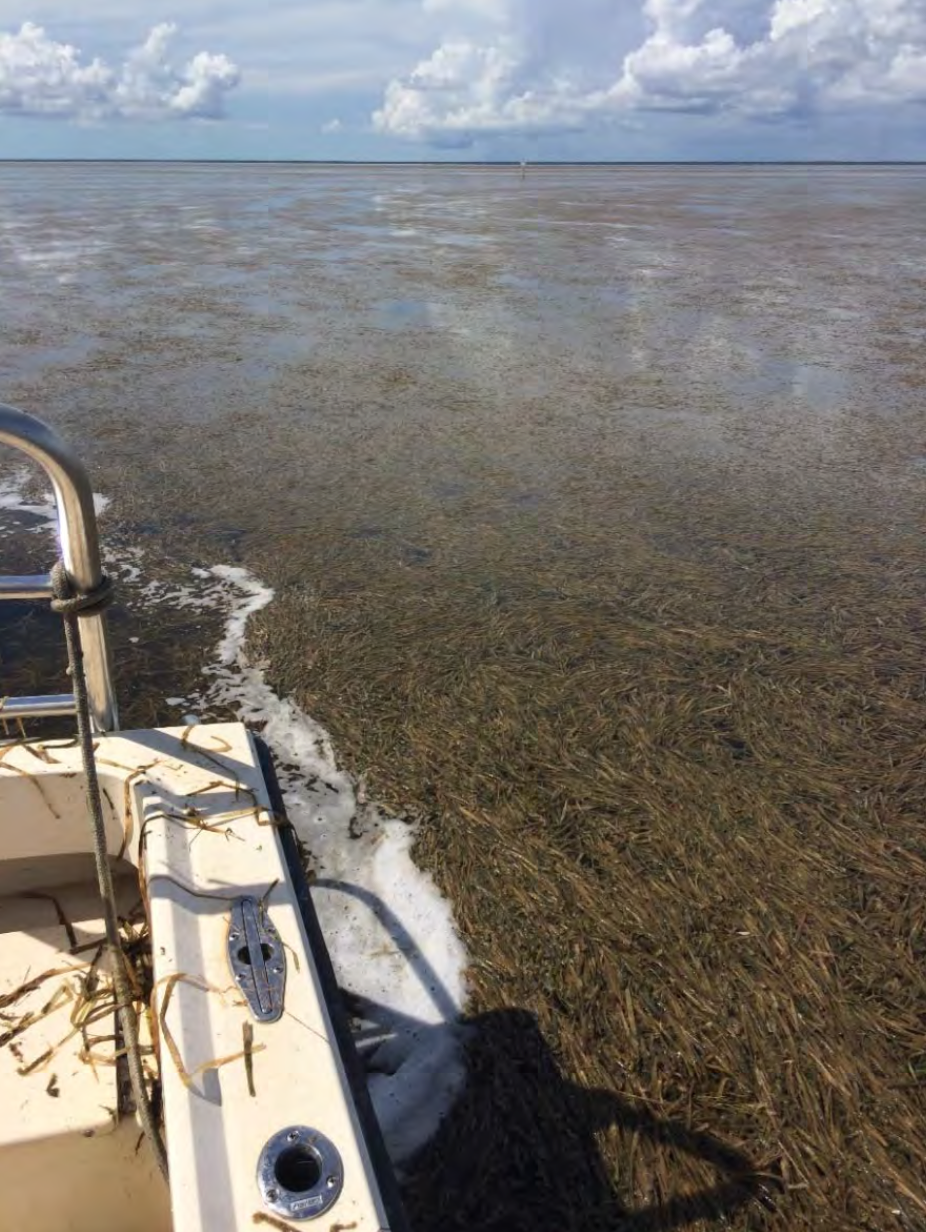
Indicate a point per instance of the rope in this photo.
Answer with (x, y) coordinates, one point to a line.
(69, 604)
(94, 600)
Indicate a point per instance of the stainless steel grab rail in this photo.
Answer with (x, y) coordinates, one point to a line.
(80, 551)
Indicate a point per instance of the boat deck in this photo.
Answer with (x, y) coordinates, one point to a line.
(189, 817)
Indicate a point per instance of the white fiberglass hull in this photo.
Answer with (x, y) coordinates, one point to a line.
(191, 824)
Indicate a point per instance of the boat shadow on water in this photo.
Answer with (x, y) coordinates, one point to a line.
(518, 1149)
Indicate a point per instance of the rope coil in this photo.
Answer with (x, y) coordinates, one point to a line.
(68, 603)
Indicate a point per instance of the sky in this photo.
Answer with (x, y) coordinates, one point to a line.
(464, 79)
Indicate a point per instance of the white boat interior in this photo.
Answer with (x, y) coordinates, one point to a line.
(249, 1072)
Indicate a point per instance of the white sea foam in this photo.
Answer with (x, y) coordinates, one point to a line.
(389, 931)
(40, 506)
(13, 497)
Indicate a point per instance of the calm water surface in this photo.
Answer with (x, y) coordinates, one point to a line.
(512, 453)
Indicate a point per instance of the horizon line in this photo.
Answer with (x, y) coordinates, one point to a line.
(516, 163)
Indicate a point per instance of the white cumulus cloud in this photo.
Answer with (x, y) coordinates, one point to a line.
(42, 77)
(540, 66)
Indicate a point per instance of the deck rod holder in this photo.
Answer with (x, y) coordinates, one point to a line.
(80, 552)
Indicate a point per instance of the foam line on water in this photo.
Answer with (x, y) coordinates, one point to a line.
(390, 932)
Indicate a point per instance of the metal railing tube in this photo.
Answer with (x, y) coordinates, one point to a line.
(80, 546)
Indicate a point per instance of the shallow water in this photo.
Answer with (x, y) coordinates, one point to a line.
(530, 465)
